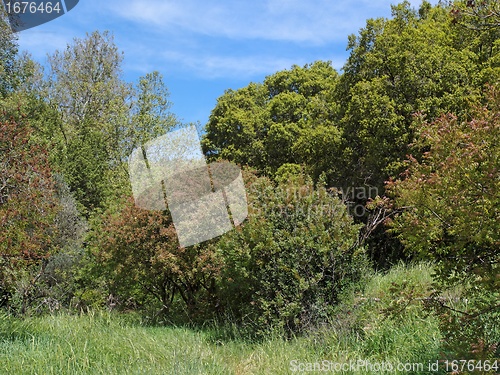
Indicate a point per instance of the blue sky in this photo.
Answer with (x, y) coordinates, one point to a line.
(205, 47)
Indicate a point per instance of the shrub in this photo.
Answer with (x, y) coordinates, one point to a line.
(284, 268)
(450, 202)
(144, 265)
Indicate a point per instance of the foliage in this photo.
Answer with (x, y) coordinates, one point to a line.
(355, 127)
(284, 268)
(104, 343)
(139, 251)
(151, 114)
(397, 67)
(59, 283)
(451, 200)
(102, 117)
(8, 53)
(28, 203)
(84, 86)
(477, 16)
(286, 119)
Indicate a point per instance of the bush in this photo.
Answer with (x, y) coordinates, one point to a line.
(284, 268)
(138, 252)
(450, 213)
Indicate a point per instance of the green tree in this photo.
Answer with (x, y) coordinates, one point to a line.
(235, 131)
(408, 64)
(85, 87)
(8, 53)
(269, 124)
(477, 25)
(102, 117)
(451, 201)
(150, 114)
(356, 128)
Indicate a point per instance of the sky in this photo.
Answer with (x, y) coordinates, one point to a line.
(203, 48)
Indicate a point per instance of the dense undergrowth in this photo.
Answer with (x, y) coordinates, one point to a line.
(102, 342)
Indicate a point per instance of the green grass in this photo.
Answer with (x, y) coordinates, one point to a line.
(104, 343)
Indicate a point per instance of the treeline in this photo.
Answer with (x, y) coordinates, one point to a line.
(411, 126)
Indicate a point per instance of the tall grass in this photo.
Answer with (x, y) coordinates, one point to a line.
(365, 328)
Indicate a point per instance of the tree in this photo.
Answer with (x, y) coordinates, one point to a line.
(85, 87)
(8, 53)
(151, 115)
(356, 128)
(28, 203)
(477, 15)
(397, 67)
(477, 25)
(269, 124)
(102, 118)
(451, 199)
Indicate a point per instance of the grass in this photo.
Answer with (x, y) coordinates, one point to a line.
(368, 327)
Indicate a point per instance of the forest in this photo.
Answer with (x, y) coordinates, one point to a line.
(373, 227)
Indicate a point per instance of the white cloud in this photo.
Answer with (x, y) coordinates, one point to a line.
(313, 21)
(216, 66)
(213, 63)
(179, 27)
(38, 42)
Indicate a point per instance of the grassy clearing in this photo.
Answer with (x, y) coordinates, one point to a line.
(367, 328)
